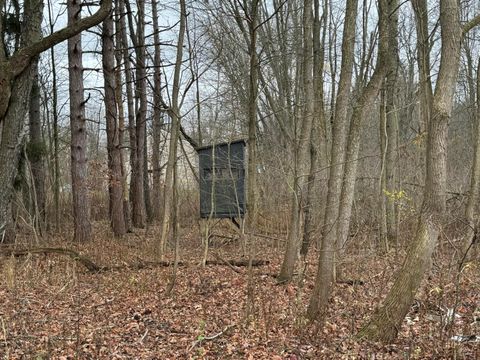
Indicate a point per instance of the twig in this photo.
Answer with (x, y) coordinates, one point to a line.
(4, 334)
(144, 336)
(208, 338)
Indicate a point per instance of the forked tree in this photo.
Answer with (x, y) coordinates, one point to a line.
(302, 150)
(332, 247)
(387, 319)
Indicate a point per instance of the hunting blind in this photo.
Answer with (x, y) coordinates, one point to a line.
(222, 180)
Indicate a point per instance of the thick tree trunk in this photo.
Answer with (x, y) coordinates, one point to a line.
(119, 98)
(388, 318)
(117, 219)
(318, 145)
(12, 133)
(323, 280)
(79, 170)
(16, 75)
(137, 182)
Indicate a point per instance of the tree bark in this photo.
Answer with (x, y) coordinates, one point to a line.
(16, 79)
(360, 113)
(300, 183)
(391, 109)
(324, 279)
(115, 181)
(318, 146)
(36, 153)
(119, 98)
(157, 119)
(170, 201)
(387, 319)
(252, 117)
(471, 212)
(78, 148)
(423, 59)
(137, 182)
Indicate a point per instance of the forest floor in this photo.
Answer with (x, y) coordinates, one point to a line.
(54, 308)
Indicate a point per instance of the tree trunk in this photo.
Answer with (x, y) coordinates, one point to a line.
(56, 162)
(360, 113)
(391, 132)
(299, 192)
(318, 146)
(323, 280)
(115, 183)
(119, 34)
(137, 181)
(423, 58)
(169, 199)
(16, 76)
(252, 118)
(79, 170)
(471, 212)
(157, 119)
(388, 318)
(36, 154)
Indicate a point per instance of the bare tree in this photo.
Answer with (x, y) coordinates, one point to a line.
(252, 112)
(318, 141)
(170, 200)
(389, 131)
(471, 212)
(119, 98)
(303, 158)
(36, 152)
(157, 117)
(138, 137)
(78, 148)
(387, 319)
(340, 123)
(16, 76)
(115, 183)
(326, 267)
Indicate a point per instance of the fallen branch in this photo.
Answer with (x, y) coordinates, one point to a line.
(85, 261)
(94, 268)
(89, 264)
(240, 263)
(350, 282)
(208, 338)
(227, 263)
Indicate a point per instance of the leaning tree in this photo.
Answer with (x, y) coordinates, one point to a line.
(387, 319)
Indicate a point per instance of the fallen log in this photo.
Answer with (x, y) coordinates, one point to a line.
(227, 263)
(238, 262)
(82, 259)
(95, 268)
(85, 261)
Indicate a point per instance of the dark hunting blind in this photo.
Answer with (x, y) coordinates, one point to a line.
(222, 180)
